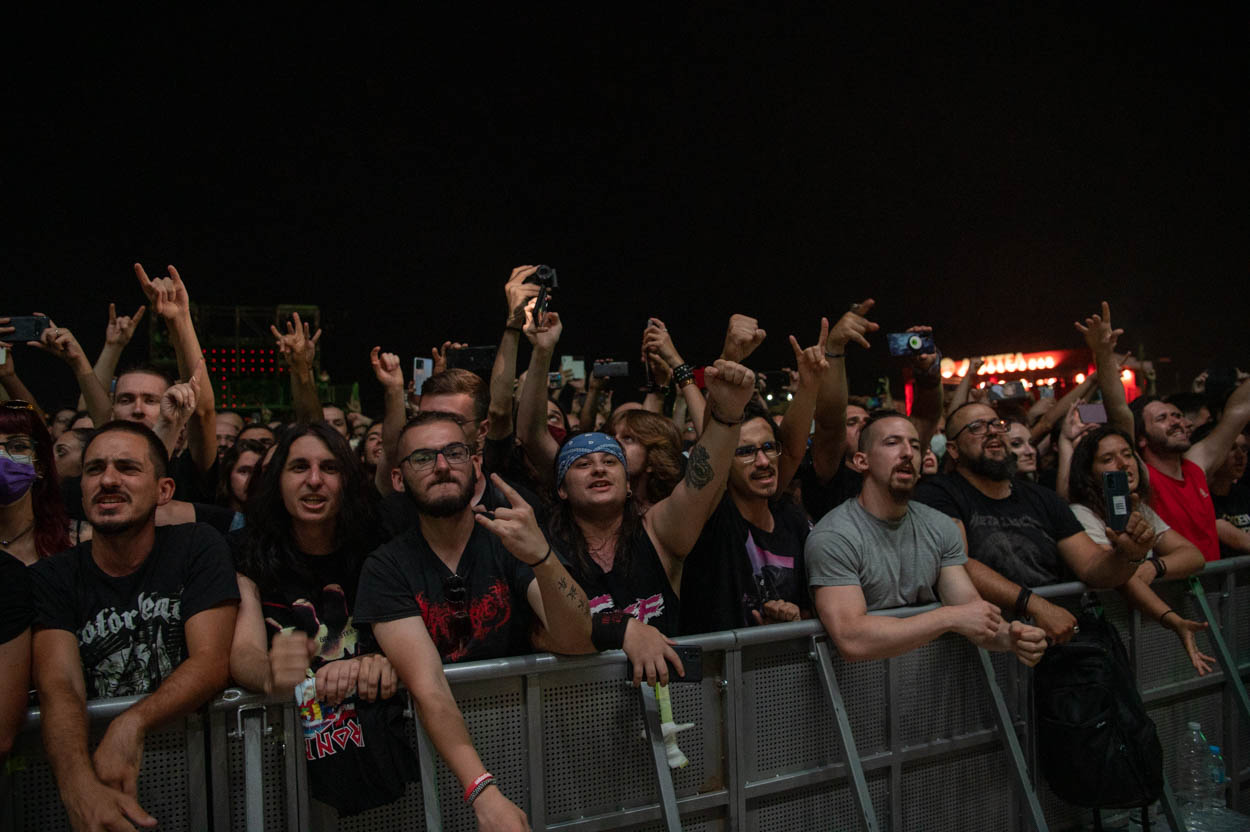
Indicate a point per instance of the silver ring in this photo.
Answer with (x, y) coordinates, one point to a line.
(1076, 628)
(56, 332)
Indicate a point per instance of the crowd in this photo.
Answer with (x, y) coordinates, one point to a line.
(155, 545)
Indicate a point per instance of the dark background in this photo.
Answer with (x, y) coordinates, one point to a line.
(994, 172)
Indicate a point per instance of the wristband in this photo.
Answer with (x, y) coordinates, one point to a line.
(478, 785)
(835, 355)
(607, 629)
(684, 383)
(1022, 602)
(682, 373)
(539, 562)
(1165, 614)
(1161, 568)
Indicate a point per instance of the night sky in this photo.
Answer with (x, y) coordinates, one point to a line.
(994, 172)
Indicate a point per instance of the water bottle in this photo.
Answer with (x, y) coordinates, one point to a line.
(1194, 787)
(1215, 795)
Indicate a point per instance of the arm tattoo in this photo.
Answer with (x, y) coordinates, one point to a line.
(563, 584)
(699, 468)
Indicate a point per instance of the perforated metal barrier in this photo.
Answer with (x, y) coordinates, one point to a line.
(566, 739)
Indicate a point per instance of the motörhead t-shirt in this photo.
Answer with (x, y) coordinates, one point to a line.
(479, 611)
(130, 628)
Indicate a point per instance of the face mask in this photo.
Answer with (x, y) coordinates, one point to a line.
(15, 479)
(938, 444)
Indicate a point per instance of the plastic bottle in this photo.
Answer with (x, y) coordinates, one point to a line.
(1194, 787)
(1218, 777)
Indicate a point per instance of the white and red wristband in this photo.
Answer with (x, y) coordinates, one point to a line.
(478, 786)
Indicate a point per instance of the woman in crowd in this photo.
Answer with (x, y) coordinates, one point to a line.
(653, 454)
(68, 452)
(238, 465)
(33, 522)
(310, 524)
(1102, 449)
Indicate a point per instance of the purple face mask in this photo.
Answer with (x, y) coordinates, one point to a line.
(15, 480)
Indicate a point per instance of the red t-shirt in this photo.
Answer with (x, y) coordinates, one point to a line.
(1186, 506)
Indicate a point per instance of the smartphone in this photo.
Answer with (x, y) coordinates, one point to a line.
(477, 360)
(691, 662)
(1046, 392)
(555, 381)
(422, 368)
(606, 368)
(1008, 391)
(575, 365)
(1093, 413)
(1115, 496)
(26, 328)
(910, 343)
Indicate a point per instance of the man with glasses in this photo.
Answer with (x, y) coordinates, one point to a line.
(1018, 534)
(747, 567)
(473, 592)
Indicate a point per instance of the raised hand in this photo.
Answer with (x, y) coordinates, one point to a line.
(439, 354)
(544, 333)
(1099, 336)
(742, 337)
(517, 293)
(923, 362)
(386, 368)
(178, 400)
(853, 326)
(120, 330)
(811, 362)
(297, 345)
(60, 342)
(168, 295)
(1073, 427)
(656, 340)
(729, 388)
(515, 527)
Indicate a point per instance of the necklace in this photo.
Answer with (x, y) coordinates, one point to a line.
(19, 535)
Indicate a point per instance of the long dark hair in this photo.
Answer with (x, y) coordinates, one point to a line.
(563, 529)
(1084, 486)
(51, 521)
(268, 549)
(229, 460)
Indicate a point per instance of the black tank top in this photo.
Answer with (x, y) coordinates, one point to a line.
(643, 590)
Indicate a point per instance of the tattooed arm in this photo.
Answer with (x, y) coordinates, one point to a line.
(675, 522)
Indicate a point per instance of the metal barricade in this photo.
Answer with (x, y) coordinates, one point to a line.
(787, 736)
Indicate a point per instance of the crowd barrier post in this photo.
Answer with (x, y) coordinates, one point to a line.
(1231, 671)
(659, 757)
(252, 726)
(1011, 743)
(846, 740)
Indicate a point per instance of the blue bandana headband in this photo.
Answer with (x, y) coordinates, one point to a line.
(582, 444)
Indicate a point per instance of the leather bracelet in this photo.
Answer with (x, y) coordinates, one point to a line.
(683, 372)
(1022, 602)
(1161, 568)
(835, 355)
(1165, 614)
(540, 561)
(478, 785)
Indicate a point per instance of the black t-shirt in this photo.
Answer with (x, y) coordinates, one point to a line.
(190, 484)
(642, 590)
(130, 628)
(357, 755)
(16, 607)
(1018, 536)
(219, 517)
(404, 578)
(820, 498)
(71, 495)
(398, 512)
(736, 566)
(1235, 508)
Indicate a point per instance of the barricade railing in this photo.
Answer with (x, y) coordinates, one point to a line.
(786, 736)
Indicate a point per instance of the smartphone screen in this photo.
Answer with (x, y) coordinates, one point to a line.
(422, 368)
(1092, 413)
(575, 365)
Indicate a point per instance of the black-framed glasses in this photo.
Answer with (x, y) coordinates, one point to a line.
(746, 453)
(459, 624)
(457, 453)
(979, 427)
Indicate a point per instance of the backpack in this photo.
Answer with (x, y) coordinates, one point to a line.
(1096, 746)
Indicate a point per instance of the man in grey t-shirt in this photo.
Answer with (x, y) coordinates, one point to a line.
(879, 551)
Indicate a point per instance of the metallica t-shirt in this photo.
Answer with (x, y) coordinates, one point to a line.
(130, 628)
(479, 611)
